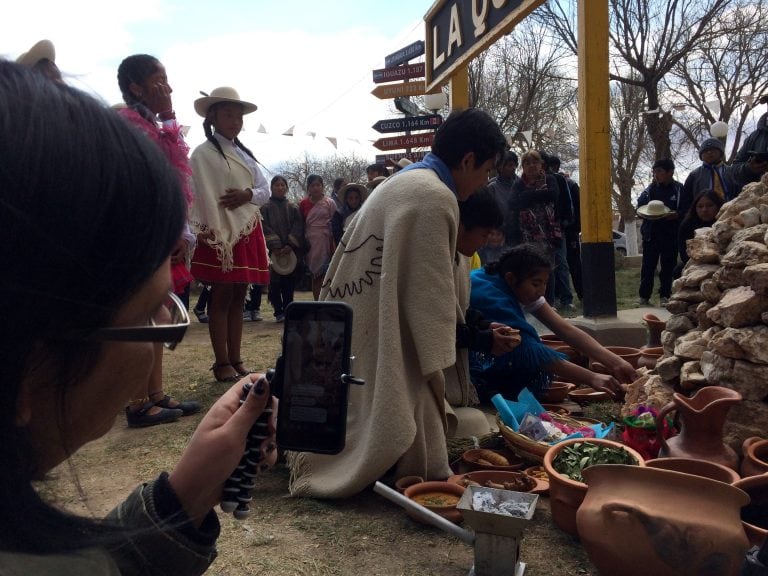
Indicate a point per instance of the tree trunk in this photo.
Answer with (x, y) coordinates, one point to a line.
(658, 123)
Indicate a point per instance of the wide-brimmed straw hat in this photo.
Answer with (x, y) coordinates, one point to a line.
(283, 264)
(371, 184)
(654, 209)
(222, 94)
(43, 50)
(342, 194)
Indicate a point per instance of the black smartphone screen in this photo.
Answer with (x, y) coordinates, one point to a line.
(312, 413)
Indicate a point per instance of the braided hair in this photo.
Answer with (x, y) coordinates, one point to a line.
(208, 130)
(135, 70)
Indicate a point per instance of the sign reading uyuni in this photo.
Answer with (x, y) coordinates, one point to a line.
(417, 88)
(404, 54)
(428, 122)
(457, 30)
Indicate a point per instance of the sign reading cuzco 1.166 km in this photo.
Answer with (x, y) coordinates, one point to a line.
(457, 30)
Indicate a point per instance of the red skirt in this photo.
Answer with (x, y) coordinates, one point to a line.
(250, 262)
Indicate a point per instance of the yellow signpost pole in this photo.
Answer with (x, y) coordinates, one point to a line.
(597, 252)
(458, 89)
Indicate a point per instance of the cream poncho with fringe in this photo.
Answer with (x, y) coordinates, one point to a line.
(213, 175)
(394, 266)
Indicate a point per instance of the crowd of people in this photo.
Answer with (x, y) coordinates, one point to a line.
(441, 266)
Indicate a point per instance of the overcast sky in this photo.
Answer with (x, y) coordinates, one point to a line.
(305, 63)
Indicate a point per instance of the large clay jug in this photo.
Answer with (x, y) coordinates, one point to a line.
(755, 453)
(638, 521)
(701, 426)
(655, 327)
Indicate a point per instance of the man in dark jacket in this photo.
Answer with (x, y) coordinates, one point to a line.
(502, 185)
(659, 232)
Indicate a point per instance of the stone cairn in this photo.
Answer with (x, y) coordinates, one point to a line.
(718, 331)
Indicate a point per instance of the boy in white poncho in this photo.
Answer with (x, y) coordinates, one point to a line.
(394, 266)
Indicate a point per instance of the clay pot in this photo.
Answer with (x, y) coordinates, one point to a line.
(755, 452)
(470, 459)
(702, 468)
(637, 521)
(584, 396)
(655, 327)
(566, 495)
(649, 357)
(448, 512)
(523, 482)
(631, 355)
(754, 515)
(702, 417)
(406, 481)
(557, 392)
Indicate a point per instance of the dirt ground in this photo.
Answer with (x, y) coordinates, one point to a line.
(366, 534)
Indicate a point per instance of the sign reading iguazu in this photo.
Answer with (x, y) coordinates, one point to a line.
(457, 30)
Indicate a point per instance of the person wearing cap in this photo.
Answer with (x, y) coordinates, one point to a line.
(231, 252)
(754, 151)
(352, 196)
(284, 233)
(144, 86)
(713, 174)
(395, 268)
(658, 206)
(42, 58)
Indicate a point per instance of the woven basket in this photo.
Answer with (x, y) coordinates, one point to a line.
(528, 448)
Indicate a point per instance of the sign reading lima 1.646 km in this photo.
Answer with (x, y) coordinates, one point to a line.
(428, 122)
(457, 30)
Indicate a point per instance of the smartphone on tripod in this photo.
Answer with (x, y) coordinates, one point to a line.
(313, 377)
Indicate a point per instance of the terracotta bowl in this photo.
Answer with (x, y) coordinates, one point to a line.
(402, 483)
(522, 482)
(649, 357)
(757, 489)
(449, 512)
(540, 475)
(631, 355)
(470, 458)
(584, 396)
(703, 468)
(566, 495)
(557, 392)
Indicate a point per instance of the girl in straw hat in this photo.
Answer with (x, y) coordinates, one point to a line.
(231, 253)
(144, 85)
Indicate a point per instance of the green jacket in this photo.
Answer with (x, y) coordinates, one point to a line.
(147, 550)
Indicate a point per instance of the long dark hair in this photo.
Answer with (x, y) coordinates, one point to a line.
(134, 70)
(90, 209)
(691, 218)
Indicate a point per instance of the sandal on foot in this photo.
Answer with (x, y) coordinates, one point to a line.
(141, 418)
(186, 406)
(217, 367)
(238, 366)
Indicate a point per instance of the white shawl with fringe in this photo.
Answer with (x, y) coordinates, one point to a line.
(212, 176)
(394, 266)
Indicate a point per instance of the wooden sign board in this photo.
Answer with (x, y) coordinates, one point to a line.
(413, 157)
(429, 122)
(457, 30)
(411, 141)
(398, 73)
(402, 56)
(402, 89)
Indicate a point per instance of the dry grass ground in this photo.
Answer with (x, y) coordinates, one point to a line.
(285, 536)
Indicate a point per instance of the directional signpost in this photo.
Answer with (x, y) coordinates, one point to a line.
(398, 73)
(404, 54)
(430, 122)
(412, 156)
(403, 89)
(408, 141)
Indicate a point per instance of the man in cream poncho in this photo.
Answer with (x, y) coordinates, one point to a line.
(394, 266)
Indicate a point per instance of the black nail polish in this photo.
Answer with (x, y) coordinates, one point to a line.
(260, 387)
